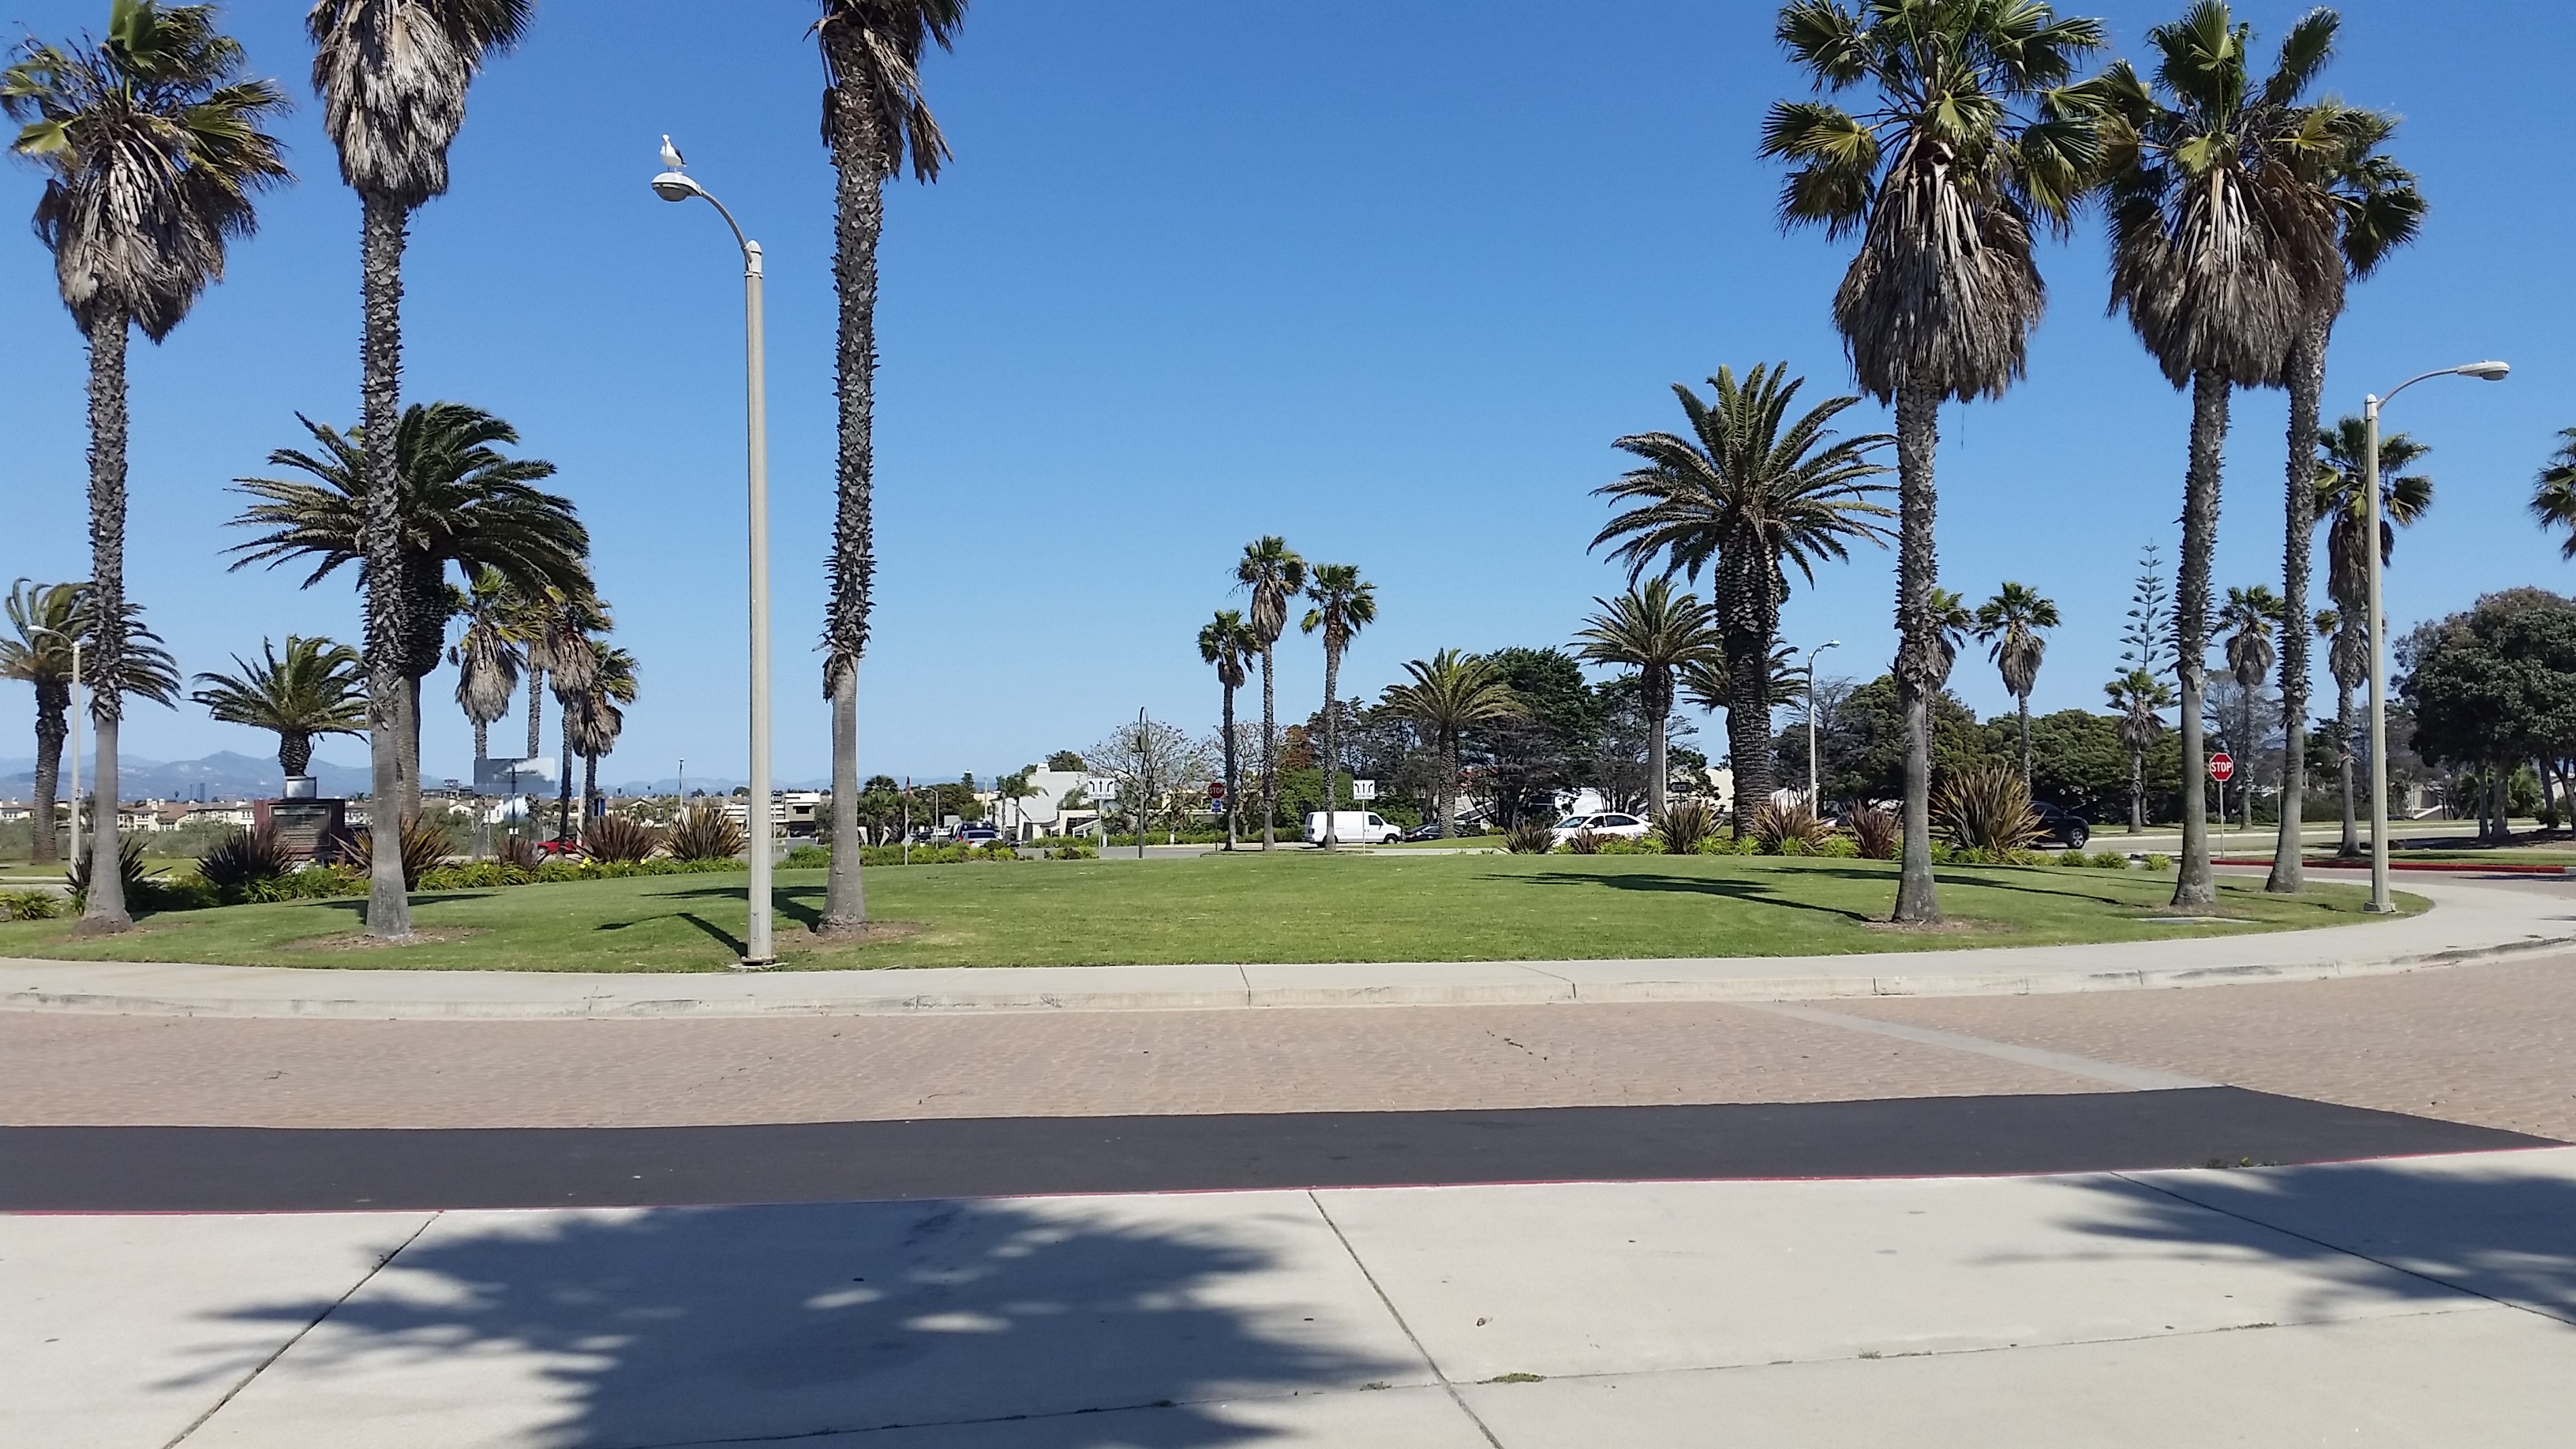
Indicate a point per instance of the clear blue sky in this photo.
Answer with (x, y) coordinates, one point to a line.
(1383, 277)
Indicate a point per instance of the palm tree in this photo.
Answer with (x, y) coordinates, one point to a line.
(2141, 698)
(596, 721)
(1274, 574)
(463, 504)
(562, 652)
(1746, 494)
(1971, 143)
(318, 688)
(2348, 660)
(1229, 644)
(1344, 604)
(392, 75)
(2015, 624)
(2248, 621)
(2376, 209)
(2221, 248)
(1445, 696)
(45, 619)
(489, 655)
(152, 149)
(875, 119)
(1659, 633)
(2553, 497)
(1952, 622)
(2343, 502)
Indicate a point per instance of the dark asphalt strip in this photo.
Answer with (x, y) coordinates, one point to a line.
(241, 1169)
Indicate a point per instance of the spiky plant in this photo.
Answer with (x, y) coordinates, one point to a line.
(619, 838)
(422, 845)
(152, 150)
(244, 859)
(1683, 824)
(1987, 809)
(706, 832)
(1791, 829)
(1875, 833)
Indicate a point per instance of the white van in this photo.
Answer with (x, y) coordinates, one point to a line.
(1352, 827)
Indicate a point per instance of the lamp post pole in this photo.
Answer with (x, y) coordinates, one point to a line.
(1814, 786)
(74, 641)
(2380, 901)
(673, 184)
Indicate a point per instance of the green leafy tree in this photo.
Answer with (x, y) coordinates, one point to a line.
(876, 119)
(392, 75)
(1445, 696)
(1343, 605)
(2146, 640)
(2014, 626)
(1747, 494)
(2492, 687)
(1273, 573)
(151, 146)
(1227, 643)
(1660, 633)
(1864, 743)
(317, 688)
(2221, 247)
(1971, 143)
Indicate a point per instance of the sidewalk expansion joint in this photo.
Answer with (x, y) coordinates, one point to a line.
(1438, 1373)
(2117, 1074)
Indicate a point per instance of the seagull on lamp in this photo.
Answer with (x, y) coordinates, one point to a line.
(672, 160)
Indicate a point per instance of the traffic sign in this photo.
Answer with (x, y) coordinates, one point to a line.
(1364, 789)
(1216, 791)
(2222, 766)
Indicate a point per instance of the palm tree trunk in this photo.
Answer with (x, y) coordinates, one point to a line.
(1748, 727)
(1332, 751)
(294, 754)
(563, 779)
(2307, 376)
(2351, 845)
(1918, 661)
(104, 911)
(482, 739)
(411, 746)
(2023, 700)
(845, 896)
(2193, 884)
(536, 710)
(1449, 791)
(1656, 759)
(1269, 754)
(381, 249)
(589, 784)
(1233, 786)
(53, 726)
(2137, 791)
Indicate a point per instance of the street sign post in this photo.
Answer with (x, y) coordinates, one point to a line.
(1363, 789)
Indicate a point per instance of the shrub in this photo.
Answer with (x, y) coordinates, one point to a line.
(1586, 841)
(479, 875)
(1987, 810)
(2025, 856)
(182, 893)
(1839, 847)
(1943, 853)
(1682, 826)
(1725, 845)
(1777, 826)
(29, 905)
(424, 846)
(619, 837)
(1530, 837)
(129, 869)
(1619, 845)
(1878, 833)
(313, 883)
(242, 860)
(2110, 859)
(808, 857)
(998, 850)
(2159, 863)
(1074, 850)
(707, 833)
(519, 851)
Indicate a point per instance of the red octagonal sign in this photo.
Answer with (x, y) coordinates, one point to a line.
(2222, 766)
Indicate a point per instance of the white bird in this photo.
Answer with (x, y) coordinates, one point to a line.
(671, 158)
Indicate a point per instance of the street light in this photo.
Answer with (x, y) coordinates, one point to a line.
(673, 184)
(2484, 372)
(1814, 788)
(74, 641)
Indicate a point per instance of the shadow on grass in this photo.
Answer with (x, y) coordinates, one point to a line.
(798, 903)
(1686, 885)
(1066, 1326)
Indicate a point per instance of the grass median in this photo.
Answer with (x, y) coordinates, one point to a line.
(1245, 908)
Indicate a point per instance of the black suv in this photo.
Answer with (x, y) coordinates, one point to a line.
(2061, 827)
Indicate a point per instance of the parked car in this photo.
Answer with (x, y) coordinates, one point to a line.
(1427, 830)
(1352, 827)
(978, 835)
(2061, 827)
(1614, 823)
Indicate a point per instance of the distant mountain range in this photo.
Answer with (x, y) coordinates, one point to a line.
(222, 776)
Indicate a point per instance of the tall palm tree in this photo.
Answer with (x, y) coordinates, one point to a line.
(1746, 494)
(2348, 660)
(392, 75)
(464, 504)
(597, 721)
(1660, 633)
(2343, 503)
(2249, 620)
(2014, 624)
(1952, 621)
(44, 618)
(318, 688)
(1445, 696)
(2376, 210)
(1344, 604)
(2221, 247)
(1228, 643)
(562, 649)
(2141, 699)
(152, 149)
(1274, 573)
(488, 655)
(2553, 496)
(875, 119)
(1973, 141)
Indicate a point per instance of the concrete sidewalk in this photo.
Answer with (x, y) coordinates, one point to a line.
(2469, 922)
(2409, 1302)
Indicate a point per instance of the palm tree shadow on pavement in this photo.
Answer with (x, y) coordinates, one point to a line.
(2498, 1226)
(1089, 1325)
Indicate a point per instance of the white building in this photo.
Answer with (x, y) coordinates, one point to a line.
(1045, 812)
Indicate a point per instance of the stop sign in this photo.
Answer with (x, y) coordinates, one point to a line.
(1216, 790)
(2222, 766)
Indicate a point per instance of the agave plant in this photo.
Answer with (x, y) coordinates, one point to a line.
(245, 858)
(518, 851)
(424, 846)
(129, 870)
(1878, 834)
(707, 833)
(1529, 837)
(1682, 825)
(1791, 829)
(619, 837)
(1585, 841)
(1987, 810)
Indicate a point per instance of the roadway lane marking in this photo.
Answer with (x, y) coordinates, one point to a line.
(2118, 1074)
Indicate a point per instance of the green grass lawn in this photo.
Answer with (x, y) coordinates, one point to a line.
(1286, 908)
